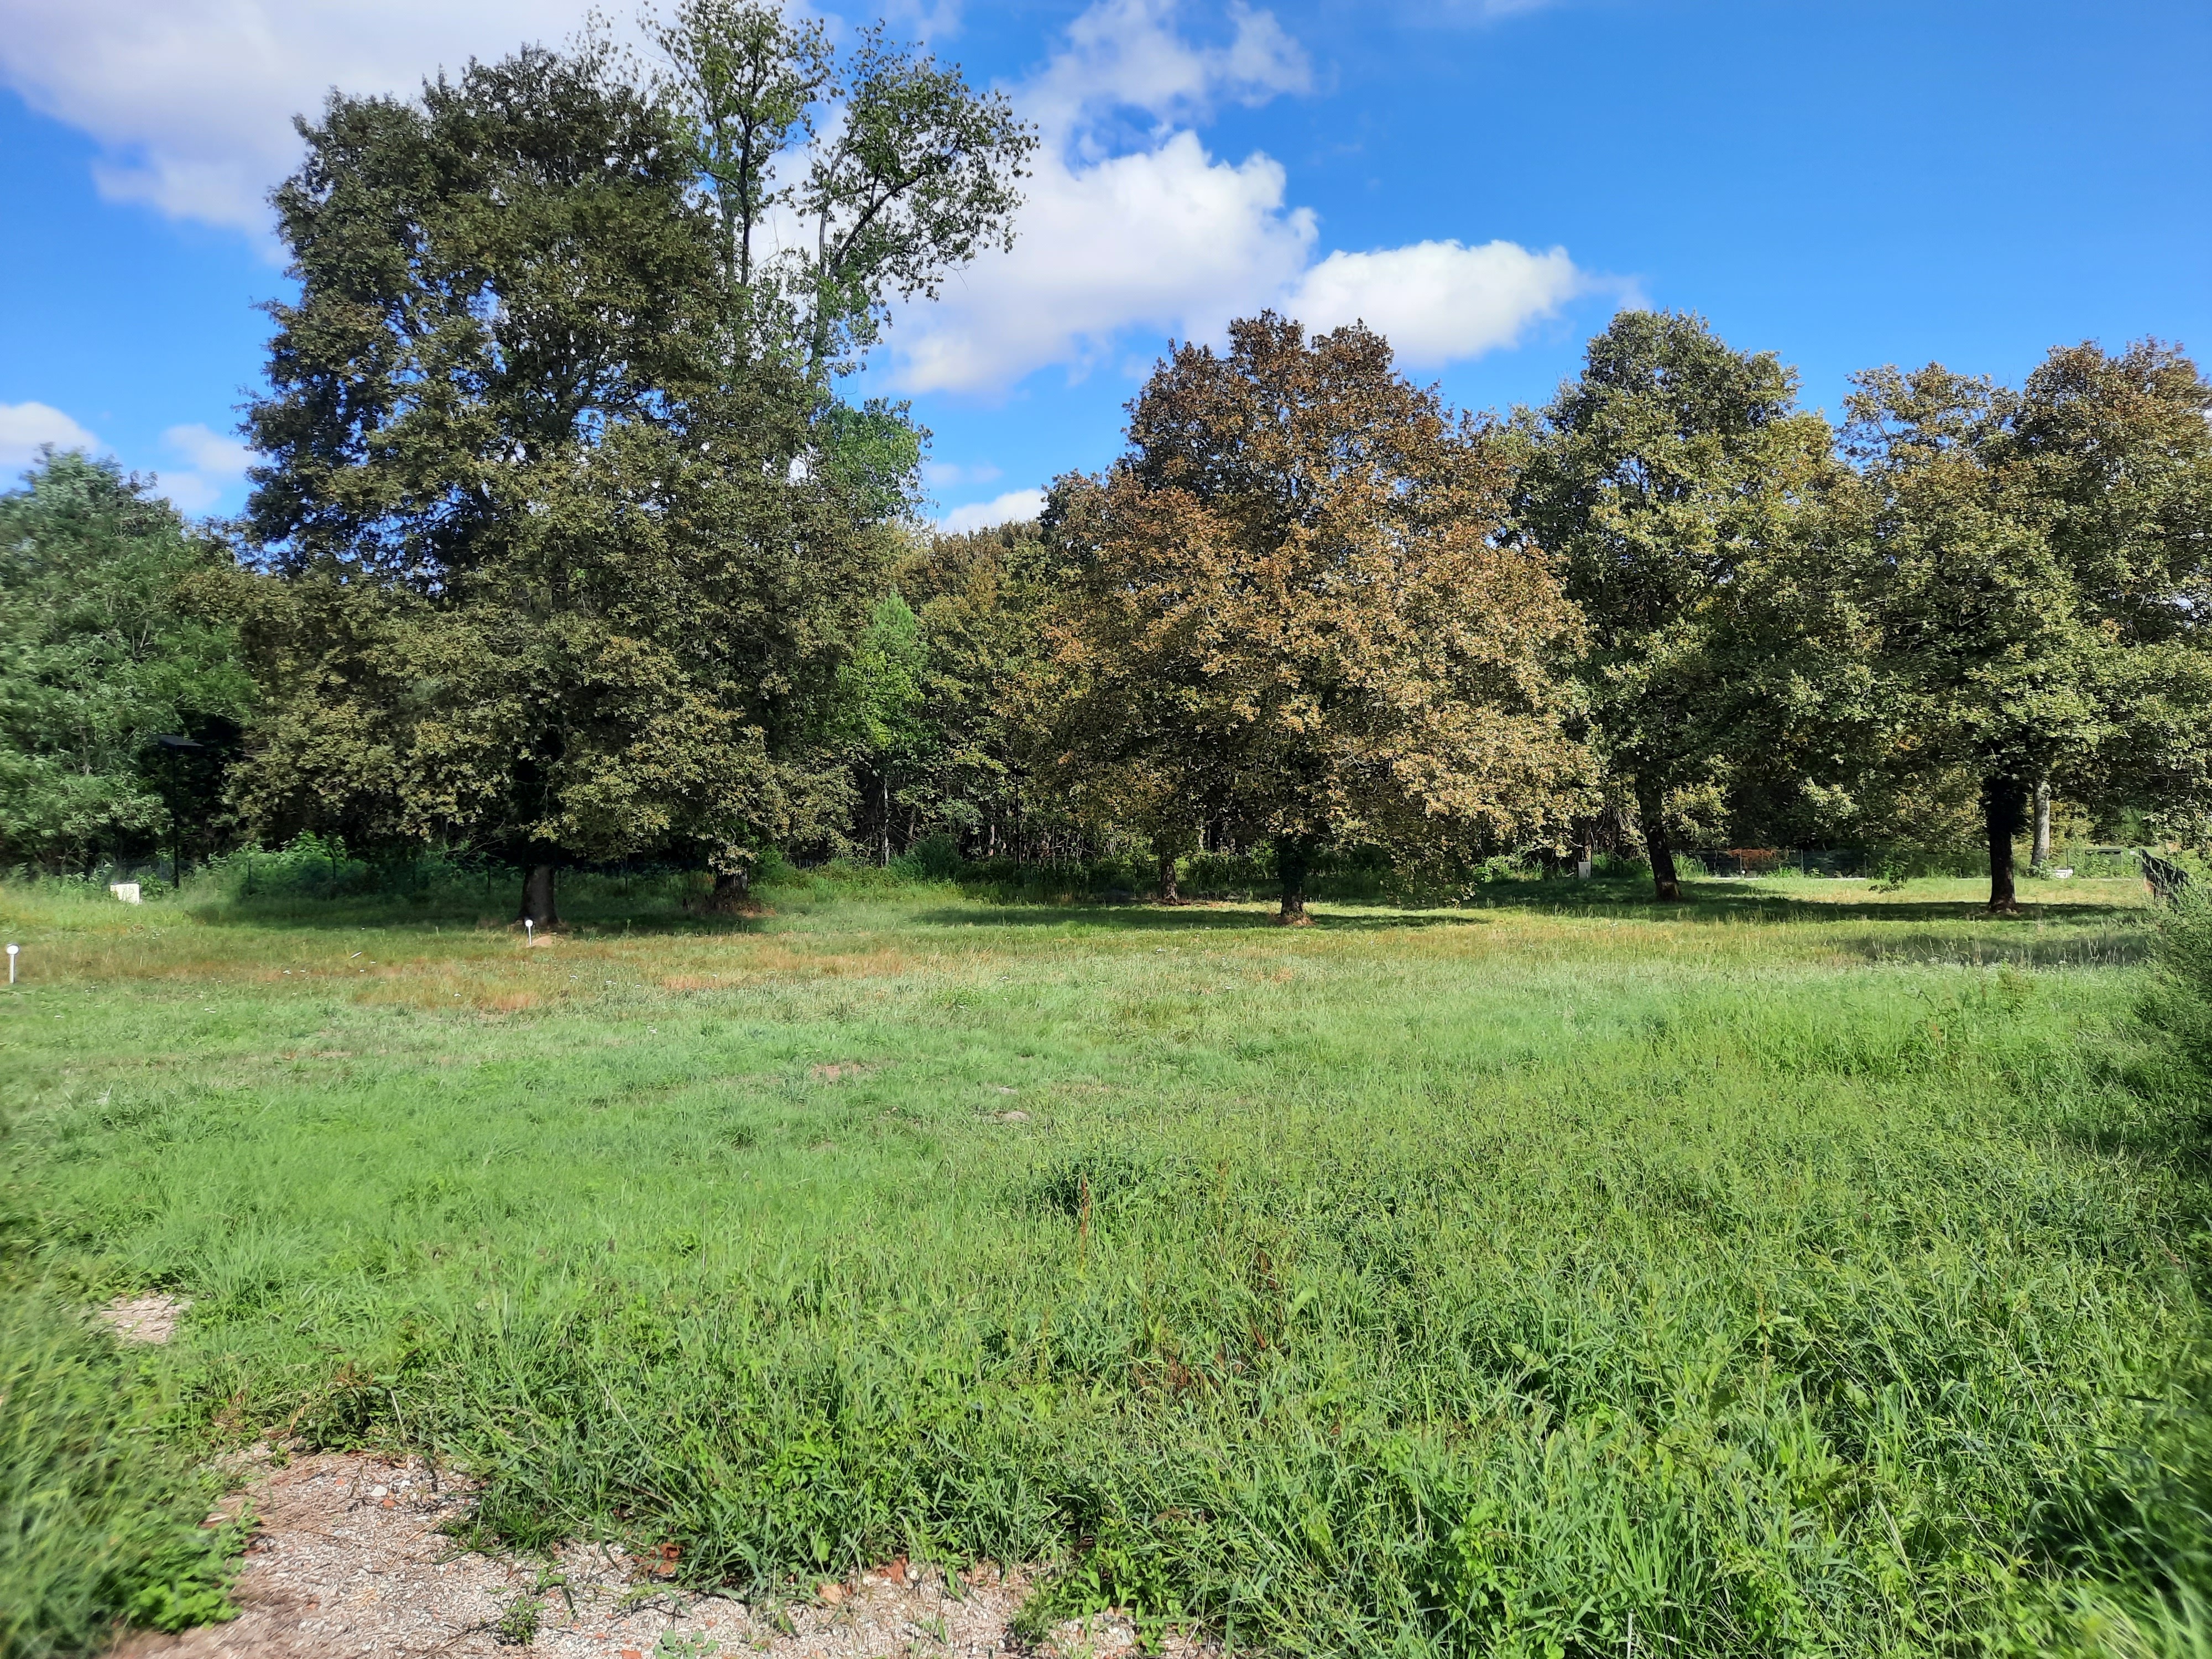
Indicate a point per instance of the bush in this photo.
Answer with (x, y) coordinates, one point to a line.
(934, 857)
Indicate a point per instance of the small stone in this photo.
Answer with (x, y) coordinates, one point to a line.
(1013, 1117)
(377, 1492)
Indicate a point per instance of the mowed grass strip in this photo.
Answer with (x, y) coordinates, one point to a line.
(1783, 1275)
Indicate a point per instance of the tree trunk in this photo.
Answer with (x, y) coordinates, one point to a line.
(1293, 861)
(1167, 862)
(2004, 810)
(2039, 854)
(731, 888)
(1651, 807)
(883, 798)
(537, 896)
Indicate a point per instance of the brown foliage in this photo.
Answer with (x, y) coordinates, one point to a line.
(1287, 608)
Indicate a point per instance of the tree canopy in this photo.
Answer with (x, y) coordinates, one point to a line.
(2042, 561)
(1664, 477)
(1288, 604)
(573, 545)
(102, 649)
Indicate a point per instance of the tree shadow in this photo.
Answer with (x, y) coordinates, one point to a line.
(1184, 918)
(594, 921)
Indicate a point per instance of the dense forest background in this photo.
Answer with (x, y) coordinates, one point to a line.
(566, 551)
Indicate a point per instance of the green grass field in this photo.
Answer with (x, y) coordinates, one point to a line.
(1808, 1271)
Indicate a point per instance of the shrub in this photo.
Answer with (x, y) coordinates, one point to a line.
(934, 857)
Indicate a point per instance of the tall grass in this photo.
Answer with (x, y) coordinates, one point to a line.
(1783, 1276)
(98, 1521)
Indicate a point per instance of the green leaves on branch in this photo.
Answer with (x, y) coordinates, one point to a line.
(577, 543)
(103, 646)
(873, 177)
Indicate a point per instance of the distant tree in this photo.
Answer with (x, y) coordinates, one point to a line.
(567, 575)
(1663, 478)
(1292, 585)
(979, 599)
(892, 169)
(896, 749)
(2043, 565)
(102, 649)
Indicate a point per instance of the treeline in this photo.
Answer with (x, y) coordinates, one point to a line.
(565, 548)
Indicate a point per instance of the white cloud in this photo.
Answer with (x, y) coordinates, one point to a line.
(25, 427)
(1164, 237)
(1168, 239)
(1015, 504)
(216, 463)
(1437, 301)
(1127, 54)
(188, 492)
(193, 98)
(1131, 224)
(209, 451)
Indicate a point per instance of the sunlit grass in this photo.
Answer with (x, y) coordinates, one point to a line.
(1795, 1273)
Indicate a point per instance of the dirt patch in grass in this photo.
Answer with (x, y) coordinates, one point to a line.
(355, 1555)
(144, 1318)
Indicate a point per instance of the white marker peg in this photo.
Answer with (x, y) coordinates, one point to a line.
(529, 931)
(11, 962)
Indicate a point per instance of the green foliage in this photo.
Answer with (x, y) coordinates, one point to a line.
(99, 650)
(2038, 561)
(1786, 1275)
(98, 1521)
(2179, 1006)
(570, 570)
(1288, 608)
(1669, 479)
(895, 169)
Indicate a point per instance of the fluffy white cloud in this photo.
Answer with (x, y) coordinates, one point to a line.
(1131, 224)
(1126, 55)
(1162, 236)
(25, 427)
(194, 99)
(209, 451)
(188, 492)
(215, 463)
(1015, 504)
(1438, 300)
(1167, 239)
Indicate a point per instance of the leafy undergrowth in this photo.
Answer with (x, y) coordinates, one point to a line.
(100, 1522)
(1779, 1277)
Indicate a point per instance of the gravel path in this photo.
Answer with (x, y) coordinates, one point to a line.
(350, 1560)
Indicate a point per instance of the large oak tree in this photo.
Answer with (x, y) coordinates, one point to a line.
(2041, 563)
(1288, 599)
(1666, 477)
(575, 536)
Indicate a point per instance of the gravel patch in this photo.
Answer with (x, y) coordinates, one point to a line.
(350, 1560)
(144, 1318)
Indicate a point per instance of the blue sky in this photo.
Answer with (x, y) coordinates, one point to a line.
(1847, 184)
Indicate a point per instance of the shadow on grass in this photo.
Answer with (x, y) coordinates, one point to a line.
(1704, 902)
(598, 920)
(1904, 930)
(1184, 917)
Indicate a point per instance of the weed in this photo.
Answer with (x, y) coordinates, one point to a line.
(517, 1624)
